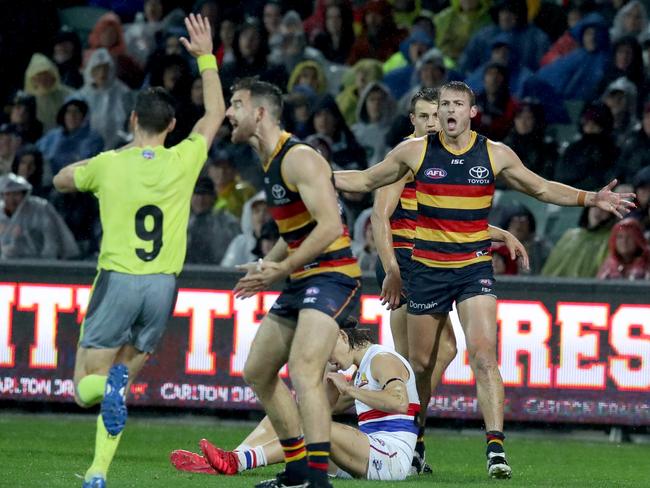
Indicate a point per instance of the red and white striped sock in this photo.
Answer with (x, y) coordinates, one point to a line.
(250, 458)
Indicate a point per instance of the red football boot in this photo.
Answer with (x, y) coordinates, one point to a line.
(190, 462)
(224, 462)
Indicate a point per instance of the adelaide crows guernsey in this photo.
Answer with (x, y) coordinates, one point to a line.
(402, 221)
(454, 191)
(295, 222)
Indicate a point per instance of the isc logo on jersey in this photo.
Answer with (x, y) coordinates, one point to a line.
(435, 173)
(479, 175)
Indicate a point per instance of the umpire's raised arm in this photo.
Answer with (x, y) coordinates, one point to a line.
(200, 46)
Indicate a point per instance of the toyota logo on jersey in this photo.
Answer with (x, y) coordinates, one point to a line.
(278, 191)
(479, 172)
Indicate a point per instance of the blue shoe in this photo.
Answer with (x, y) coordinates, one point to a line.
(95, 482)
(113, 407)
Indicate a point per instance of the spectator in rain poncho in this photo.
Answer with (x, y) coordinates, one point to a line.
(110, 101)
(354, 81)
(589, 162)
(621, 98)
(29, 226)
(308, 73)
(108, 34)
(629, 256)
(66, 53)
(577, 75)
(457, 23)
(375, 113)
(73, 140)
(327, 120)
(23, 116)
(30, 165)
(430, 72)
(400, 68)
(635, 150)
(242, 248)
(581, 250)
(42, 80)
(289, 47)
(209, 232)
(631, 20)
(511, 17)
(363, 244)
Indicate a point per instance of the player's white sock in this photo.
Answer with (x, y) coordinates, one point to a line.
(250, 458)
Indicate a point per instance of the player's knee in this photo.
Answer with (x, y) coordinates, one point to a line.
(256, 377)
(305, 374)
(420, 362)
(483, 360)
(447, 352)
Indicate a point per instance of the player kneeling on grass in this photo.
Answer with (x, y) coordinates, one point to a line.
(386, 401)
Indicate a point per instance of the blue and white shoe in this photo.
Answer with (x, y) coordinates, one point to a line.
(95, 482)
(113, 407)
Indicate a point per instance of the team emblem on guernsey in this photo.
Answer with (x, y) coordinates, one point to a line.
(479, 172)
(148, 154)
(435, 173)
(278, 191)
(312, 290)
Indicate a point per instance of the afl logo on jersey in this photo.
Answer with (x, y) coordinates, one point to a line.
(278, 191)
(435, 173)
(148, 154)
(479, 172)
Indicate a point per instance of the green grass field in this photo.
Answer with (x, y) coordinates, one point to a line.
(47, 451)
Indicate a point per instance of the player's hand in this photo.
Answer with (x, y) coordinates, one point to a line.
(246, 287)
(391, 290)
(517, 250)
(339, 381)
(200, 32)
(259, 277)
(619, 204)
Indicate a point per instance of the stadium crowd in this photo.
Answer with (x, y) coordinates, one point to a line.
(565, 83)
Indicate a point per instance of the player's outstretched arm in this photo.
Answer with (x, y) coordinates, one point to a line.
(64, 180)
(514, 245)
(512, 170)
(389, 371)
(395, 165)
(386, 199)
(200, 46)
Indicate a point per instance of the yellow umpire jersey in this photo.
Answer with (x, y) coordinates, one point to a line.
(144, 204)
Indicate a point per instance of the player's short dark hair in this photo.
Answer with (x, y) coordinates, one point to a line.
(427, 94)
(358, 337)
(262, 90)
(154, 107)
(459, 86)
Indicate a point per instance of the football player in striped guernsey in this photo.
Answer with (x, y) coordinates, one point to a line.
(454, 173)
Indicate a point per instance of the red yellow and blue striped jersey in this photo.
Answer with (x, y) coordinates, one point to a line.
(295, 222)
(402, 220)
(404, 217)
(454, 191)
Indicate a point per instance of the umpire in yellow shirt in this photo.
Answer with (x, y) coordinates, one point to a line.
(144, 193)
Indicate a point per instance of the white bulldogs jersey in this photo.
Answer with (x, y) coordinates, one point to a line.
(371, 420)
